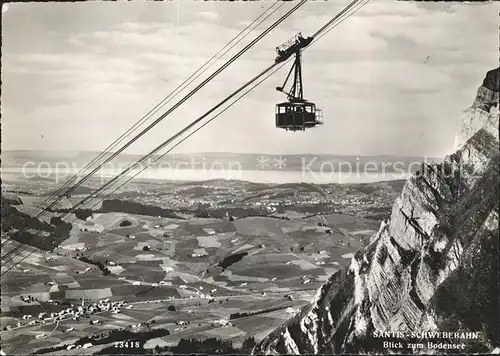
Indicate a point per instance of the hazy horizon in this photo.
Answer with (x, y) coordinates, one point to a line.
(222, 152)
(388, 78)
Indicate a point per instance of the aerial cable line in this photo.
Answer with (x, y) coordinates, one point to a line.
(177, 144)
(213, 75)
(190, 134)
(341, 18)
(161, 104)
(159, 148)
(360, 3)
(166, 100)
(335, 18)
(269, 29)
(241, 52)
(168, 141)
(171, 95)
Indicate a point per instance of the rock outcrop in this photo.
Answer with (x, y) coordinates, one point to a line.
(433, 266)
(483, 114)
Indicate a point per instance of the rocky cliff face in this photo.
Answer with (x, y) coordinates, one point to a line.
(483, 114)
(433, 266)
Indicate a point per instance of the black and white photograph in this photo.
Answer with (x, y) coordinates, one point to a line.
(250, 177)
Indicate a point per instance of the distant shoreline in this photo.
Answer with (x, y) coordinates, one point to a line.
(193, 175)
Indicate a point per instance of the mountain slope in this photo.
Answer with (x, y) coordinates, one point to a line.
(431, 267)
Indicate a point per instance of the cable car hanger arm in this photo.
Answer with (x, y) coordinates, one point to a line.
(298, 42)
(286, 80)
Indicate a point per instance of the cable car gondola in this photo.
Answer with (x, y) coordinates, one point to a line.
(297, 114)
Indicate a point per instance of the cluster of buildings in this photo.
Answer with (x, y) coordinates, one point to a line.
(75, 313)
(102, 306)
(222, 323)
(334, 196)
(181, 325)
(84, 346)
(199, 254)
(87, 269)
(28, 299)
(308, 279)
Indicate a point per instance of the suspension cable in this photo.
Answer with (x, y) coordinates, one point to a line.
(335, 18)
(105, 186)
(241, 52)
(164, 101)
(360, 4)
(191, 133)
(139, 162)
(170, 149)
(342, 18)
(172, 138)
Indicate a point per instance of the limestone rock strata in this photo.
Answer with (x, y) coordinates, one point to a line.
(431, 267)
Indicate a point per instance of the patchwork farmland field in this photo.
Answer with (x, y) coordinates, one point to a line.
(186, 274)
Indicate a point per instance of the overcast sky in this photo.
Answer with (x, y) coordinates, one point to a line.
(392, 79)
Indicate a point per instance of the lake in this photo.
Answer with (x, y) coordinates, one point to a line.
(257, 176)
